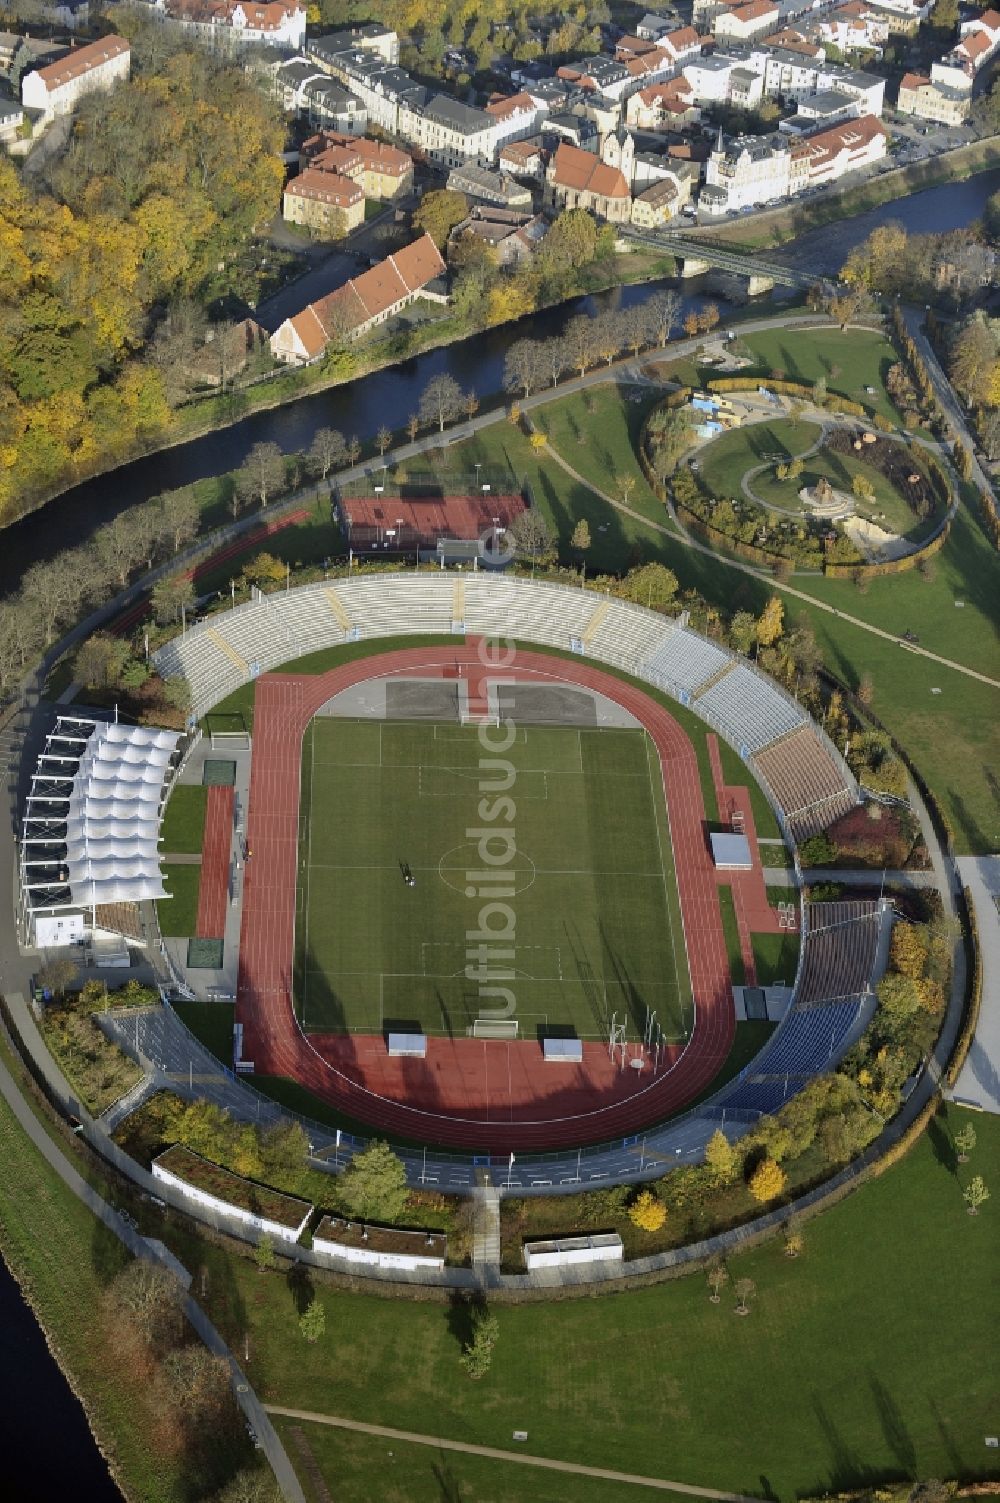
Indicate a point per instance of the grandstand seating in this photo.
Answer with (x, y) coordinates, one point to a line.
(755, 1097)
(808, 1041)
(748, 709)
(683, 662)
(803, 774)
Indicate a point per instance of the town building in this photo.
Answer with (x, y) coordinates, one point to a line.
(489, 186)
(369, 37)
(744, 22)
(578, 179)
(746, 172)
(921, 96)
(512, 234)
(831, 154)
(325, 203)
(231, 24)
(310, 94)
(380, 170)
(854, 27)
(55, 88)
(663, 105)
(524, 159)
(663, 198)
(598, 75)
(362, 304)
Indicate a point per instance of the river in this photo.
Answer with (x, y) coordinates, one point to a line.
(390, 396)
(47, 1448)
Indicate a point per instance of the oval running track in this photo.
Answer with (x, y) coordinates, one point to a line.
(442, 1100)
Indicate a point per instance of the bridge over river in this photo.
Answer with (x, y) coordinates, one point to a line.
(696, 256)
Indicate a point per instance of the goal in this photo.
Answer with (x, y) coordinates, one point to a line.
(494, 1028)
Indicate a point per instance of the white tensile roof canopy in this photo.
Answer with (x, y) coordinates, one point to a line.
(91, 825)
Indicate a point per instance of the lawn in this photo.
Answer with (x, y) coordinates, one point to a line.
(737, 970)
(723, 463)
(178, 914)
(183, 828)
(347, 1463)
(597, 432)
(212, 1024)
(775, 956)
(597, 915)
(850, 361)
(869, 1362)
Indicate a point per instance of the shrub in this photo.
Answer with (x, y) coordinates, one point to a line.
(647, 1212)
(767, 1181)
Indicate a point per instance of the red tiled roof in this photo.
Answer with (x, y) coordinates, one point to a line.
(585, 172)
(679, 41)
(521, 150)
(914, 81)
(974, 44)
(325, 187)
(502, 109)
(754, 10)
(82, 60)
(849, 135)
(370, 295)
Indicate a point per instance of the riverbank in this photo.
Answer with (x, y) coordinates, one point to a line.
(216, 411)
(777, 227)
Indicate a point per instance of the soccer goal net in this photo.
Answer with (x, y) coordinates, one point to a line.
(494, 1028)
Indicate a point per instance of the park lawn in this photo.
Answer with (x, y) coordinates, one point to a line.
(597, 433)
(775, 956)
(183, 828)
(178, 914)
(723, 463)
(888, 509)
(861, 357)
(838, 1345)
(349, 1462)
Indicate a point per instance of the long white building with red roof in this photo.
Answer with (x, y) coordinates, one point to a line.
(361, 304)
(55, 89)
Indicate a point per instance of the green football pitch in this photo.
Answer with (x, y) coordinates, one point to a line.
(596, 917)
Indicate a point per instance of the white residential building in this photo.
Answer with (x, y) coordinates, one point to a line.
(745, 172)
(230, 24)
(746, 21)
(55, 89)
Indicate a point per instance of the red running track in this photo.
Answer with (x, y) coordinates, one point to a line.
(467, 1093)
(213, 885)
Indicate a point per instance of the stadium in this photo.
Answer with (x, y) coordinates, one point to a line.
(470, 844)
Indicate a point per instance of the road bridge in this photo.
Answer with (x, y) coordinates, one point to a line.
(696, 255)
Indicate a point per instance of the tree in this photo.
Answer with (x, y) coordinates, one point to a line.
(669, 430)
(661, 315)
(179, 515)
(383, 439)
(353, 450)
(326, 452)
(708, 318)
(691, 324)
(651, 585)
(965, 1142)
(580, 539)
(264, 1254)
(100, 660)
(570, 243)
(413, 426)
(373, 1186)
(312, 1321)
(975, 1194)
(530, 534)
(721, 1157)
(580, 342)
(718, 1277)
(647, 1212)
(794, 1241)
(767, 1181)
(866, 689)
(769, 624)
(743, 631)
(863, 489)
(523, 370)
(626, 485)
(745, 1290)
(57, 975)
(197, 1382)
(477, 1354)
(908, 948)
(262, 473)
(263, 569)
(438, 213)
(170, 596)
(441, 401)
(898, 995)
(119, 546)
(150, 1298)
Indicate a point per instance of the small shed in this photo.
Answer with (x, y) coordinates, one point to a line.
(731, 852)
(562, 1051)
(407, 1045)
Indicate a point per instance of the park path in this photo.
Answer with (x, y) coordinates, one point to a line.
(520, 1458)
(678, 535)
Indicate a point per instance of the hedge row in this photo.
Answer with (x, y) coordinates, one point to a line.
(893, 565)
(791, 389)
(974, 997)
(990, 516)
